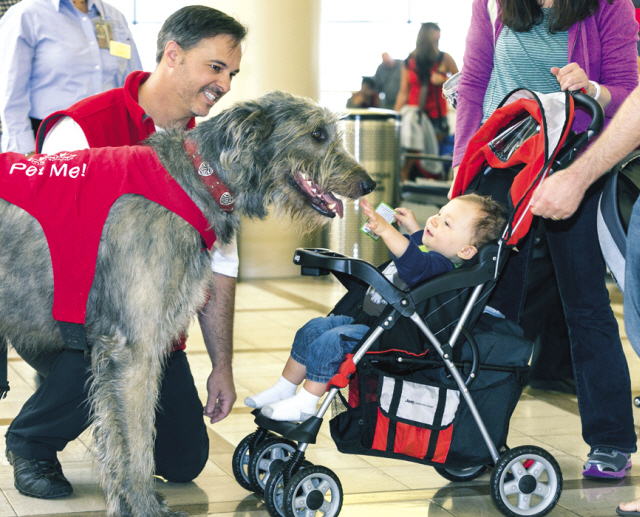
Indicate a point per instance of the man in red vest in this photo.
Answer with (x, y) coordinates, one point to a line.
(198, 55)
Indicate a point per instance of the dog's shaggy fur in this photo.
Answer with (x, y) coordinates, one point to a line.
(151, 277)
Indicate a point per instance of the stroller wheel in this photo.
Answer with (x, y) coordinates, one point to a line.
(274, 489)
(265, 458)
(526, 481)
(240, 463)
(313, 489)
(462, 474)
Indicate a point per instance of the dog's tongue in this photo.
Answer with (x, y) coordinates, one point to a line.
(330, 200)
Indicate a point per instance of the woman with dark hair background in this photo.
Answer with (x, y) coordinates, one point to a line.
(424, 72)
(549, 46)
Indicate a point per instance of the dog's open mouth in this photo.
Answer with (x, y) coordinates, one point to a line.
(324, 202)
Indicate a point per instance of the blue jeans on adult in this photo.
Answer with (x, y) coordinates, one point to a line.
(320, 345)
(632, 280)
(600, 368)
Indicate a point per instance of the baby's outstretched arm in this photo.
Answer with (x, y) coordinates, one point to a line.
(394, 240)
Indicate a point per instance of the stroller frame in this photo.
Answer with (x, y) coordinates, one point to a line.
(270, 461)
(275, 464)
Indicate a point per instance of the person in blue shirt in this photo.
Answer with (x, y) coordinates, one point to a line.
(453, 236)
(55, 53)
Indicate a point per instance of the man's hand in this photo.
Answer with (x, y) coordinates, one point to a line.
(221, 394)
(216, 323)
(560, 195)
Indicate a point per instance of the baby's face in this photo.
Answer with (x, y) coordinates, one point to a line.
(451, 230)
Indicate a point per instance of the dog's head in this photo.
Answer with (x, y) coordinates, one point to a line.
(285, 150)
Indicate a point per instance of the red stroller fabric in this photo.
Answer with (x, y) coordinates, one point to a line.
(554, 112)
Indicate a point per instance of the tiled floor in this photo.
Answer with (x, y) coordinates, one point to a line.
(268, 314)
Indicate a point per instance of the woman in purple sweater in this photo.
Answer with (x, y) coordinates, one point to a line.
(603, 45)
(546, 46)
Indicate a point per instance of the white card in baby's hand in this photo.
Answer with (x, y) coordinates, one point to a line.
(387, 213)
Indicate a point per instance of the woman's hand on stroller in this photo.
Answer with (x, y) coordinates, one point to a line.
(407, 218)
(571, 77)
(560, 195)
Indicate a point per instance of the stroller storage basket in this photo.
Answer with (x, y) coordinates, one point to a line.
(419, 414)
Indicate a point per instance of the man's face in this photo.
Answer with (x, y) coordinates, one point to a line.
(203, 74)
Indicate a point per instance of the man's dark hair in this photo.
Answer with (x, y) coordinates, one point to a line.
(190, 25)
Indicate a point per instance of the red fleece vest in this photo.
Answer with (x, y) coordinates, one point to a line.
(70, 194)
(111, 119)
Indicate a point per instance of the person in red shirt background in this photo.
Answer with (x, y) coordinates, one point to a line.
(425, 71)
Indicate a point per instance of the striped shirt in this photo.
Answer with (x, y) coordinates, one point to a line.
(524, 60)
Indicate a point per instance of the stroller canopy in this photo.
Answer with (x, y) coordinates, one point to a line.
(526, 131)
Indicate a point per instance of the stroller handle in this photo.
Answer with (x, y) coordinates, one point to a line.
(595, 110)
(577, 141)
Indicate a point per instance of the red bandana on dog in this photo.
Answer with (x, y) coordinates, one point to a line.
(70, 194)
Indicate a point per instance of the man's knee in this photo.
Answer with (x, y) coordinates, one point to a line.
(183, 462)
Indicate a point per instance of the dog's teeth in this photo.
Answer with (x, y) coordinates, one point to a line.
(332, 206)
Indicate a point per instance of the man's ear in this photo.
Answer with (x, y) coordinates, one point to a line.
(467, 252)
(171, 53)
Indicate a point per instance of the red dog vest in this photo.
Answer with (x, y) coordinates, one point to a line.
(70, 195)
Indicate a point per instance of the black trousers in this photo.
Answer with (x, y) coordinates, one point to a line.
(58, 413)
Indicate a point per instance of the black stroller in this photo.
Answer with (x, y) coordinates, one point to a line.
(436, 378)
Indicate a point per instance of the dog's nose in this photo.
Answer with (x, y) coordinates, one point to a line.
(367, 186)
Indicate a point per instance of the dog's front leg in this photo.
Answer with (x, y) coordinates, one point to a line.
(124, 395)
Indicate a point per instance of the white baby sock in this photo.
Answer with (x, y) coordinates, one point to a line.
(283, 389)
(294, 409)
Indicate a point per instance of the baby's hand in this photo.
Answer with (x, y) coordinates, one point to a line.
(406, 218)
(376, 224)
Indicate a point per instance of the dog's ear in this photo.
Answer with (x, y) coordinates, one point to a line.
(246, 126)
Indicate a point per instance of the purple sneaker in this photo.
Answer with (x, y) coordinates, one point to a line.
(609, 463)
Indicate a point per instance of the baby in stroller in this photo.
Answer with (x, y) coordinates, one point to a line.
(453, 236)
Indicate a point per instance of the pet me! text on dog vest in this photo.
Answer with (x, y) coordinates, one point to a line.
(70, 195)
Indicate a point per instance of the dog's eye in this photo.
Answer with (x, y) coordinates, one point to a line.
(319, 134)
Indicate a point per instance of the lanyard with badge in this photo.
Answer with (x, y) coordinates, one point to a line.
(104, 34)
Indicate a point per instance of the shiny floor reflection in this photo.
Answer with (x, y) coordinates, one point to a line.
(268, 315)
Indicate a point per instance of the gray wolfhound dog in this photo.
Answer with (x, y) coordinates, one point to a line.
(151, 276)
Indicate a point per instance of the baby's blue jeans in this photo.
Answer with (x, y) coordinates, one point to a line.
(319, 345)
